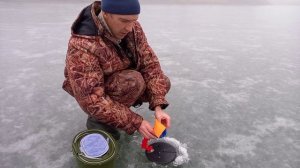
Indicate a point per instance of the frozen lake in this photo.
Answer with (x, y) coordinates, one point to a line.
(235, 96)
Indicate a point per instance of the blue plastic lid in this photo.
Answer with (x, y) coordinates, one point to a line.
(163, 134)
(94, 145)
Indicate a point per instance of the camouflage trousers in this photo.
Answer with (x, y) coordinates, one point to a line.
(127, 87)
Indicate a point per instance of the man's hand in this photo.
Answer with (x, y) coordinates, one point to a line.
(146, 130)
(162, 117)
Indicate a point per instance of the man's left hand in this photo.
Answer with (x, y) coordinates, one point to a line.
(163, 117)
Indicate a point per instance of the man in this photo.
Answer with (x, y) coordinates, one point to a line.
(111, 67)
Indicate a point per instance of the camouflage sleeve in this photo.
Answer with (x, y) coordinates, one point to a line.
(151, 71)
(87, 82)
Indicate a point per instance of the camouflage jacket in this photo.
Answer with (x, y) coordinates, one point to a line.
(92, 56)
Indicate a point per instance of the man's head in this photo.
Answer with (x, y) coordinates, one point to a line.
(120, 25)
(120, 15)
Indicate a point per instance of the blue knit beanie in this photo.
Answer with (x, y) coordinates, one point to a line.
(121, 7)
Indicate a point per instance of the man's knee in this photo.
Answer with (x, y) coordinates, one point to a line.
(125, 86)
(136, 79)
(92, 123)
(168, 83)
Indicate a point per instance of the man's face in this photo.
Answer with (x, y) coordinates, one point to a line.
(120, 25)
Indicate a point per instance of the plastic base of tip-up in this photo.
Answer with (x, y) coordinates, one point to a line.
(162, 153)
(159, 152)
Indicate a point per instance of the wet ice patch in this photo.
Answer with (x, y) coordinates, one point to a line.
(235, 144)
(181, 149)
(235, 97)
(247, 82)
(271, 127)
(245, 145)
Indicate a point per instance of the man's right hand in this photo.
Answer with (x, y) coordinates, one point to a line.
(146, 130)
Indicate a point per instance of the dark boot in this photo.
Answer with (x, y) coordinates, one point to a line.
(92, 123)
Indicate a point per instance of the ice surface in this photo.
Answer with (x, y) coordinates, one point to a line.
(235, 74)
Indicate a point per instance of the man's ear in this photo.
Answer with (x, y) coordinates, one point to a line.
(109, 15)
(104, 14)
